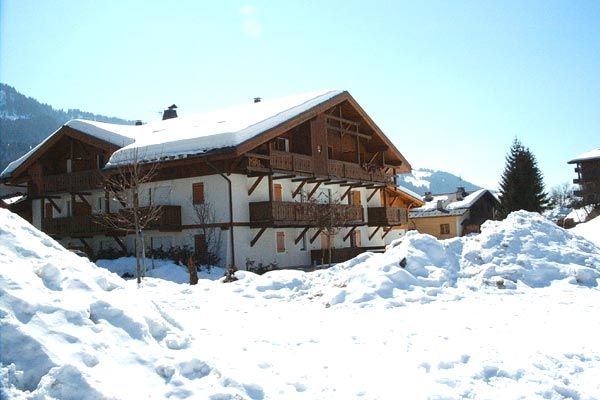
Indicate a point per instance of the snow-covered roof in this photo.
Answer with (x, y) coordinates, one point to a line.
(193, 134)
(449, 207)
(588, 155)
(408, 192)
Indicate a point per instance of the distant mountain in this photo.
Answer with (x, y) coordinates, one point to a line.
(25, 122)
(426, 180)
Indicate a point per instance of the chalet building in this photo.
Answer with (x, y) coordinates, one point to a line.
(588, 176)
(260, 166)
(454, 214)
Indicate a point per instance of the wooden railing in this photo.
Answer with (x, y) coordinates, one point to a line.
(72, 182)
(387, 216)
(290, 161)
(89, 225)
(283, 213)
(343, 169)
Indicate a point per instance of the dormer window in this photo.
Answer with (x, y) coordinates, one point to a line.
(282, 144)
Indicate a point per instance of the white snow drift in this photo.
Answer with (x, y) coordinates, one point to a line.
(504, 314)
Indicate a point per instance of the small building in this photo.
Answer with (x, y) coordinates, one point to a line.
(454, 214)
(258, 166)
(588, 176)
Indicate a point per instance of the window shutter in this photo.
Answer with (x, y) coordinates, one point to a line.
(200, 244)
(277, 192)
(280, 242)
(198, 193)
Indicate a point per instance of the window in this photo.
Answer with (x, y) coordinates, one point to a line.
(280, 242)
(277, 192)
(355, 239)
(444, 229)
(100, 204)
(68, 209)
(198, 193)
(282, 144)
(69, 165)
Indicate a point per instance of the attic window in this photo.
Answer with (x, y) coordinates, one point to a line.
(282, 144)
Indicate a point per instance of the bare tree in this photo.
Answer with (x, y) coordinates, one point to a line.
(210, 231)
(562, 195)
(330, 216)
(124, 184)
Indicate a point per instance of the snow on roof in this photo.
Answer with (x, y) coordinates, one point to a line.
(432, 204)
(467, 201)
(196, 134)
(408, 192)
(588, 155)
(193, 134)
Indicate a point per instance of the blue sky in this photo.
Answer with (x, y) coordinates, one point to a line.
(450, 82)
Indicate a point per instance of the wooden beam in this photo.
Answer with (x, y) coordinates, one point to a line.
(348, 132)
(255, 184)
(258, 235)
(349, 233)
(271, 188)
(306, 178)
(301, 234)
(340, 119)
(314, 190)
(373, 194)
(121, 244)
(386, 231)
(316, 235)
(374, 232)
(298, 189)
(83, 199)
(56, 207)
(87, 246)
(283, 177)
(346, 194)
(373, 158)
(335, 182)
(256, 155)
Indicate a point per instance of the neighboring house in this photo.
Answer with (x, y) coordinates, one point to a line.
(258, 166)
(588, 176)
(454, 214)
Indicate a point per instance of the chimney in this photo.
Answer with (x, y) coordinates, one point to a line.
(257, 99)
(170, 112)
(428, 196)
(138, 122)
(460, 193)
(440, 205)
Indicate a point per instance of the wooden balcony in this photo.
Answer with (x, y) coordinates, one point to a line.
(280, 160)
(353, 171)
(89, 225)
(387, 216)
(72, 182)
(291, 214)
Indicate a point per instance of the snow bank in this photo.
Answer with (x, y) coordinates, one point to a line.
(72, 330)
(589, 230)
(524, 250)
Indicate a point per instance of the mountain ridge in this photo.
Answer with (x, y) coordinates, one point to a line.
(422, 180)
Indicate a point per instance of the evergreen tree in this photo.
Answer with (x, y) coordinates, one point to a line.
(521, 185)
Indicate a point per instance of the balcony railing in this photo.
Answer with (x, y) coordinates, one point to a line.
(281, 160)
(282, 213)
(90, 225)
(72, 182)
(387, 216)
(343, 169)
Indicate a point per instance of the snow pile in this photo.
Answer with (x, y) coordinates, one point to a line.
(72, 330)
(162, 269)
(589, 230)
(367, 328)
(524, 250)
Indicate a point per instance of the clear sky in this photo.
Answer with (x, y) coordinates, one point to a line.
(450, 82)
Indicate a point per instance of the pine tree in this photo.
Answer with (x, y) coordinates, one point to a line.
(521, 185)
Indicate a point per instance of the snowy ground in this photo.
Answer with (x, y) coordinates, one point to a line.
(510, 313)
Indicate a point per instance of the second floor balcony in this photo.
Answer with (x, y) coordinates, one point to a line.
(291, 214)
(387, 216)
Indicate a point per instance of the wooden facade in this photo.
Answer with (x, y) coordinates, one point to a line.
(588, 179)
